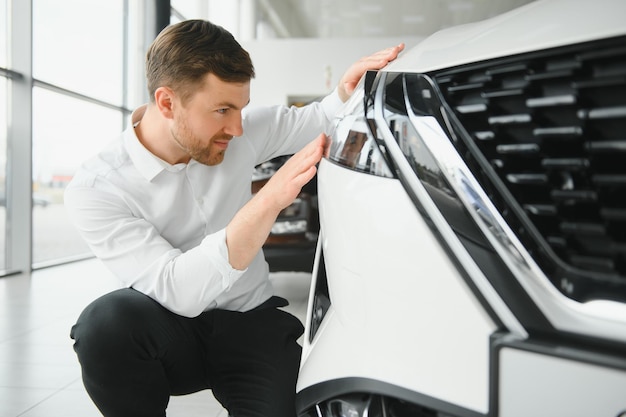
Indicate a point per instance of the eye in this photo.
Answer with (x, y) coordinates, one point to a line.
(222, 111)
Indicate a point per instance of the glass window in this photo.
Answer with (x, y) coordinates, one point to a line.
(188, 8)
(3, 164)
(66, 131)
(78, 45)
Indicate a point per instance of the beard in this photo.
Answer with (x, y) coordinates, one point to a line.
(206, 154)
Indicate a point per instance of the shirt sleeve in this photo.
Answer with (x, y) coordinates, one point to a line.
(289, 129)
(141, 258)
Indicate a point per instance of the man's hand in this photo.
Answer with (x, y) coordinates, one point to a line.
(376, 61)
(286, 183)
(248, 230)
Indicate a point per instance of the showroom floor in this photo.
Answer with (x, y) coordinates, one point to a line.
(39, 373)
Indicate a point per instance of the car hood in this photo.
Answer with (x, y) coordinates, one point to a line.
(538, 25)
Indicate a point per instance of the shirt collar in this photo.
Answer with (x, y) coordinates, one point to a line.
(148, 164)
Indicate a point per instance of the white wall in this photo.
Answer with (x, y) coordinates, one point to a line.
(306, 67)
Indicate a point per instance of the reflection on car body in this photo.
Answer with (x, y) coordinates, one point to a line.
(471, 255)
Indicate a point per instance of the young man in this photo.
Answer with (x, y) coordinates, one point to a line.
(167, 207)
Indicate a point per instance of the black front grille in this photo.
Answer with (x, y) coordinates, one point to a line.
(545, 134)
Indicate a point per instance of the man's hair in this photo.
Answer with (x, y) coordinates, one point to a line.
(184, 53)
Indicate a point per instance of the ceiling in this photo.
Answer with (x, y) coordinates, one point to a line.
(374, 18)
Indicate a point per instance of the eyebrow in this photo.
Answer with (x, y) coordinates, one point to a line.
(231, 105)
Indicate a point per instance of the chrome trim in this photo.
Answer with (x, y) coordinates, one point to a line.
(477, 276)
(605, 319)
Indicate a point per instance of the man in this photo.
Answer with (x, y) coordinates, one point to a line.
(167, 207)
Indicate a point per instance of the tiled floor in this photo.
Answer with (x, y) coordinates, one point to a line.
(39, 373)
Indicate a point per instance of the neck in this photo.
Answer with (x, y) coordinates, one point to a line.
(153, 132)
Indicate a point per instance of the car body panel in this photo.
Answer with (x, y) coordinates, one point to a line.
(510, 33)
(446, 347)
(541, 377)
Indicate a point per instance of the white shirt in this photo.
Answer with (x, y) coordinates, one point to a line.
(160, 228)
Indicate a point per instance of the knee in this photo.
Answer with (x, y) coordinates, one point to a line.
(110, 322)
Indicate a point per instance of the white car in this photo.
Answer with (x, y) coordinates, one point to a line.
(472, 252)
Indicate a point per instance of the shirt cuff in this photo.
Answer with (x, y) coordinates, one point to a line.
(214, 246)
(331, 104)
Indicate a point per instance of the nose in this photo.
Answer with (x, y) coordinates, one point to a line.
(234, 126)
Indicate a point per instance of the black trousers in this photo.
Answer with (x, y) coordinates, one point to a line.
(135, 354)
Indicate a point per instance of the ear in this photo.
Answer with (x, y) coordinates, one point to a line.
(164, 99)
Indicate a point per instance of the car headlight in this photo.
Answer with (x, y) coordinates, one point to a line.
(352, 143)
(353, 146)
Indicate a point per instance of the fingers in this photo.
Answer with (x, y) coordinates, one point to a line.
(317, 145)
(308, 157)
(311, 155)
(381, 58)
(298, 170)
(371, 62)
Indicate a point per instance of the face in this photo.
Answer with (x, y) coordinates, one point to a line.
(206, 124)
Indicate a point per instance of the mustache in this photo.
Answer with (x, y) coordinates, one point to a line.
(222, 137)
